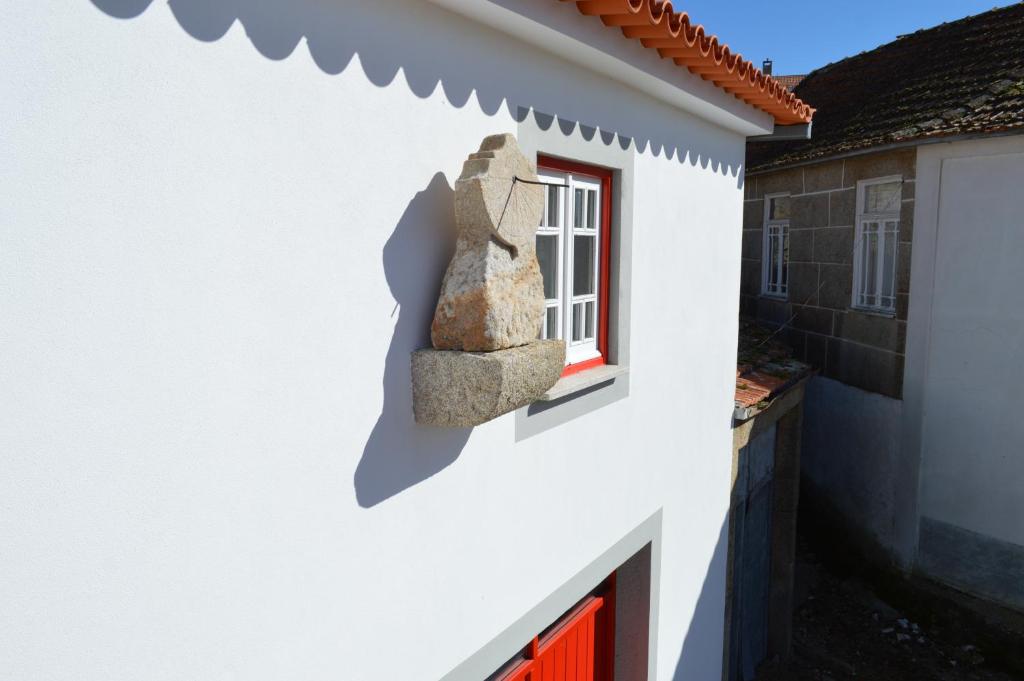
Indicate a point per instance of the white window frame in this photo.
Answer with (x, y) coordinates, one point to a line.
(882, 220)
(566, 301)
(775, 233)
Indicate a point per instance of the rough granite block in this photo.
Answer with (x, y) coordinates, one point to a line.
(458, 389)
(809, 212)
(492, 296)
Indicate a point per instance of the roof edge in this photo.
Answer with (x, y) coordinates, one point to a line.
(556, 29)
(892, 146)
(673, 35)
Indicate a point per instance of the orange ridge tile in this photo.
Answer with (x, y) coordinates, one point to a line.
(658, 26)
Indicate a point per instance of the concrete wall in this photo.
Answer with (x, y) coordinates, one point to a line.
(860, 349)
(965, 366)
(223, 229)
(850, 456)
(748, 637)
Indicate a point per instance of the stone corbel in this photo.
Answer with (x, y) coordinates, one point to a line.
(486, 359)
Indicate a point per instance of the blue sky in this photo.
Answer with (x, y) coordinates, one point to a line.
(801, 35)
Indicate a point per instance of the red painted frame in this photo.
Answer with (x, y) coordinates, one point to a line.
(564, 653)
(605, 256)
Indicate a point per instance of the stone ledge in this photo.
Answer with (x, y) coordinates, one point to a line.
(457, 389)
(583, 380)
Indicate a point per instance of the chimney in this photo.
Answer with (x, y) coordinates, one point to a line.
(766, 67)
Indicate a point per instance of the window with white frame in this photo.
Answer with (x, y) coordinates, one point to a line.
(775, 258)
(572, 243)
(876, 244)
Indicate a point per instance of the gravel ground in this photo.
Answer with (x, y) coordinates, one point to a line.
(844, 631)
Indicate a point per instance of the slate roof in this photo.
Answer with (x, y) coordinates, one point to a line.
(673, 35)
(963, 77)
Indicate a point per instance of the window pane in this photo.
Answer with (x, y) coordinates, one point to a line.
(785, 260)
(861, 282)
(871, 266)
(577, 209)
(547, 256)
(551, 323)
(779, 209)
(553, 212)
(777, 259)
(577, 321)
(882, 198)
(889, 266)
(583, 265)
(589, 327)
(591, 208)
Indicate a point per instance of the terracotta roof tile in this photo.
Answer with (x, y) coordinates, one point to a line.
(659, 27)
(748, 395)
(964, 77)
(764, 366)
(790, 81)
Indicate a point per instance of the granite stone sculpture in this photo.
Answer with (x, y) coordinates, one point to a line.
(487, 359)
(492, 297)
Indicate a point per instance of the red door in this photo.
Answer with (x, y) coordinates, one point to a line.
(577, 648)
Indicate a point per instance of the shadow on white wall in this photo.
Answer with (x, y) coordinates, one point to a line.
(392, 36)
(386, 36)
(399, 453)
(702, 650)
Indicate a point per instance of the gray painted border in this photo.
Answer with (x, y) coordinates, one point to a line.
(496, 653)
(976, 563)
(541, 134)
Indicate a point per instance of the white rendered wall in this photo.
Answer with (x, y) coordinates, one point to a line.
(215, 257)
(966, 336)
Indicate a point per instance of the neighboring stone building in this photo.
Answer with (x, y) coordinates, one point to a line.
(858, 347)
(888, 249)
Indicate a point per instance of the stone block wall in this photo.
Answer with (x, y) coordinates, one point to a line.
(861, 349)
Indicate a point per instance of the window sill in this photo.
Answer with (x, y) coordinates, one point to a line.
(574, 383)
(782, 297)
(874, 312)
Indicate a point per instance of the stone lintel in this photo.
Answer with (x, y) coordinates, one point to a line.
(458, 389)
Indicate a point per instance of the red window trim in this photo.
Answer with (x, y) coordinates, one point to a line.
(603, 287)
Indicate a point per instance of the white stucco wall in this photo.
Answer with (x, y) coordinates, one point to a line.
(219, 240)
(966, 334)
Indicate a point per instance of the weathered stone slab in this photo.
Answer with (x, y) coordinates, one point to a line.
(465, 389)
(483, 200)
(492, 296)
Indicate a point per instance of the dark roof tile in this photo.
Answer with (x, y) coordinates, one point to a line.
(963, 77)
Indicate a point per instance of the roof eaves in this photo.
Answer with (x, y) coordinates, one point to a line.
(833, 154)
(659, 27)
